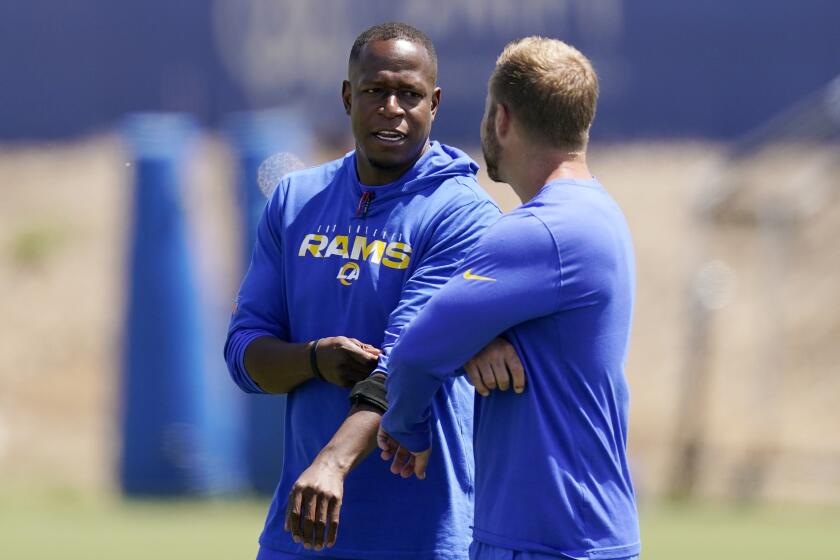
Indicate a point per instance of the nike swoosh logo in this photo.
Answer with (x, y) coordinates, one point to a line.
(468, 275)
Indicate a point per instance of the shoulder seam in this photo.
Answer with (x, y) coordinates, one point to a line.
(461, 180)
(446, 213)
(556, 249)
(477, 201)
(472, 186)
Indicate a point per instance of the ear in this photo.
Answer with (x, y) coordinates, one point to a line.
(503, 121)
(345, 95)
(435, 102)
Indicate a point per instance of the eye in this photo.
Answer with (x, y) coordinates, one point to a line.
(412, 94)
(371, 91)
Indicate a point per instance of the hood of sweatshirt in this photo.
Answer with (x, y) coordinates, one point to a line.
(439, 163)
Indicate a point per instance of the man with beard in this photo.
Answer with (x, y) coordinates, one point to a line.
(555, 277)
(355, 248)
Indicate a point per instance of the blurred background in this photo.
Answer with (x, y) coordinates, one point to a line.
(131, 139)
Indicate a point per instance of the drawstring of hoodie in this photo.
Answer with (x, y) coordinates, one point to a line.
(364, 204)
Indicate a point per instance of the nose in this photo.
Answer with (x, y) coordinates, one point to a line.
(392, 108)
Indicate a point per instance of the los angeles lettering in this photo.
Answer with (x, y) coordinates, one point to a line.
(393, 254)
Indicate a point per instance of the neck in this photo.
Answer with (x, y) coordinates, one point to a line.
(539, 167)
(374, 175)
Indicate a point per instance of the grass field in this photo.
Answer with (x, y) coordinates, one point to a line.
(74, 527)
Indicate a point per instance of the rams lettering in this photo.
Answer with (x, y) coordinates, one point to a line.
(394, 254)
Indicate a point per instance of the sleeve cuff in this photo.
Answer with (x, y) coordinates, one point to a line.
(239, 373)
(416, 440)
(382, 364)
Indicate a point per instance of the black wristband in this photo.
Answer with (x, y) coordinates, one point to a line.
(371, 391)
(313, 360)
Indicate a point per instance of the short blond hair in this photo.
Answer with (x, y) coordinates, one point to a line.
(550, 88)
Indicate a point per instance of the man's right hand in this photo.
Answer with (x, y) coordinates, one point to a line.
(345, 361)
(497, 366)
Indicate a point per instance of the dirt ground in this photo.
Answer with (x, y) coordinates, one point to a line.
(767, 413)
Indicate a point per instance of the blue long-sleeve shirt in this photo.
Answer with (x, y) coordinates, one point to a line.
(556, 277)
(329, 262)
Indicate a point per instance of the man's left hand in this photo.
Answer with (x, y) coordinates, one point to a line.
(405, 463)
(315, 506)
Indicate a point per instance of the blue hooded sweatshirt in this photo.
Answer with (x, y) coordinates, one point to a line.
(331, 260)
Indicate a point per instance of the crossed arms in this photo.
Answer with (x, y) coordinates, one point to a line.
(494, 290)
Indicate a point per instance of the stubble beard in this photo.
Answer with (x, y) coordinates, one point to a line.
(490, 145)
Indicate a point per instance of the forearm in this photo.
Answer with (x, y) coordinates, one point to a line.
(423, 359)
(278, 366)
(353, 441)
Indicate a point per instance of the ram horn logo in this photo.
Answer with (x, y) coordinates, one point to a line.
(348, 273)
